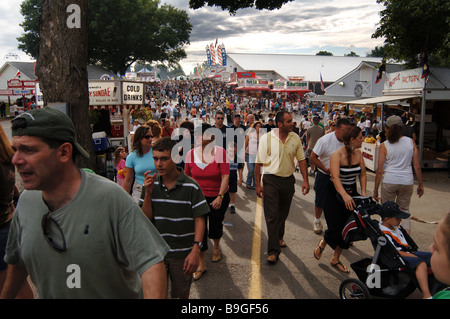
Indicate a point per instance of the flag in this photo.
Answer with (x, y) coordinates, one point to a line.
(322, 87)
(224, 56)
(381, 69)
(208, 55)
(424, 64)
(213, 54)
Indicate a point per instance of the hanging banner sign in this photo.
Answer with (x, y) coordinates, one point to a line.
(224, 56)
(296, 85)
(104, 93)
(409, 79)
(208, 55)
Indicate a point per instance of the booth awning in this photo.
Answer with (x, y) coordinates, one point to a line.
(332, 99)
(291, 90)
(382, 99)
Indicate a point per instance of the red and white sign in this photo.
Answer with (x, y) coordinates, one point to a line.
(409, 79)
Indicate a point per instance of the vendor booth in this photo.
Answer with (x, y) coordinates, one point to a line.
(110, 104)
(423, 103)
(19, 90)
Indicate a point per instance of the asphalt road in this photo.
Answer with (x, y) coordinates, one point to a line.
(298, 275)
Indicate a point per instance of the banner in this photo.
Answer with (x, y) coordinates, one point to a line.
(104, 93)
(219, 55)
(224, 56)
(208, 55)
(213, 54)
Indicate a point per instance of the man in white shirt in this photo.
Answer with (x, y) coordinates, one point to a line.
(320, 157)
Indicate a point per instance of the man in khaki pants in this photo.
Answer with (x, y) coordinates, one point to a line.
(276, 153)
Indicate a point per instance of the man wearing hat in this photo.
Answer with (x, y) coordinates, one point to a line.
(418, 260)
(76, 234)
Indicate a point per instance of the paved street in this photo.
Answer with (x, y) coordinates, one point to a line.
(244, 274)
(298, 274)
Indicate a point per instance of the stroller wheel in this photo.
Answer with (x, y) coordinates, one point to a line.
(353, 289)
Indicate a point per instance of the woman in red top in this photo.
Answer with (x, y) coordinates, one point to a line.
(208, 165)
(166, 129)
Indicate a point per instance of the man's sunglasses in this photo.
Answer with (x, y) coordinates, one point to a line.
(58, 245)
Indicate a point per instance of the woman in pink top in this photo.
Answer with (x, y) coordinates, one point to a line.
(208, 165)
(119, 163)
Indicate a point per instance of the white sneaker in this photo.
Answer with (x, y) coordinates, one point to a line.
(318, 228)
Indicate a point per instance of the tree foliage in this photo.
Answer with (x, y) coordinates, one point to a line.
(122, 32)
(233, 5)
(324, 53)
(412, 26)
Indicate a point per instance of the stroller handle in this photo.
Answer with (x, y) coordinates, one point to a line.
(359, 200)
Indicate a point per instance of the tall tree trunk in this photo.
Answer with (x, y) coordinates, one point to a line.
(62, 65)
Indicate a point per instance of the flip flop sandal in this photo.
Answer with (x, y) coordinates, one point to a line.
(320, 251)
(343, 269)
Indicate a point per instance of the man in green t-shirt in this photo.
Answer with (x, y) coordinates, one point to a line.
(76, 234)
(177, 206)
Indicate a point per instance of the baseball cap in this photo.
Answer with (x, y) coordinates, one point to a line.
(391, 209)
(47, 123)
(394, 120)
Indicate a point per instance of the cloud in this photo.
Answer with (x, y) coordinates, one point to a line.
(299, 27)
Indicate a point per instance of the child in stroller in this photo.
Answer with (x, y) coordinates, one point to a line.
(390, 273)
(418, 260)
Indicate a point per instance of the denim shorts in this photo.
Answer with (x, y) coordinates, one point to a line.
(3, 240)
(321, 189)
(422, 256)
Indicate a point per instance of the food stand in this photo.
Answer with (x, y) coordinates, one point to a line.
(426, 103)
(430, 110)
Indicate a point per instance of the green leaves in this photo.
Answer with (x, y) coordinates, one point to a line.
(411, 26)
(121, 32)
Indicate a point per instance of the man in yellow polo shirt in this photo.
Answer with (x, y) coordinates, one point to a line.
(277, 152)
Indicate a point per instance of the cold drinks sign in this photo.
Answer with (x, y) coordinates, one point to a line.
(132, 93)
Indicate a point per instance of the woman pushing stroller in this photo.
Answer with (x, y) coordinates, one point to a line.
(346, 165)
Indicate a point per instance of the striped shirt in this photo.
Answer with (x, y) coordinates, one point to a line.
(175, 210)
(348, 175)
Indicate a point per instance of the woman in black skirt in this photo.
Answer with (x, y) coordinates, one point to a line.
(346, 164)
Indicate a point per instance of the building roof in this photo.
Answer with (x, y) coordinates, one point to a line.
(309, 66)
(95, 72)
(390, 67)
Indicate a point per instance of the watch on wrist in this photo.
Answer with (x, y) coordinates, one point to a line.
(220, 195)
(199, 243)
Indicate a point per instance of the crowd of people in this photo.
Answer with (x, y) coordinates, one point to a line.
(183, 171)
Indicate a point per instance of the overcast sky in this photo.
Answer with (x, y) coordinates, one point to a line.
(299, 27)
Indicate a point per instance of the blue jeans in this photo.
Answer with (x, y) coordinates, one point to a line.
(251, 159)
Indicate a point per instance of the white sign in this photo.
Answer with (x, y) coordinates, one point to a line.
(409, 79)
(39, 95)
(104, 93)
(254, 83)
(132, 93)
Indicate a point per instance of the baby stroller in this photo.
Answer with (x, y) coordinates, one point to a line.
(387, 274)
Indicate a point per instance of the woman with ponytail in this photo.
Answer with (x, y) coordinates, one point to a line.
(346, 164)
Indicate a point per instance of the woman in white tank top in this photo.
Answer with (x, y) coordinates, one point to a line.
(397, 158)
